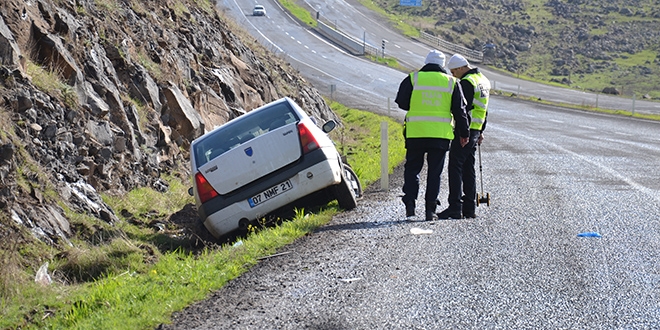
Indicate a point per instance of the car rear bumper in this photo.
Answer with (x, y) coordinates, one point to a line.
(319, 169)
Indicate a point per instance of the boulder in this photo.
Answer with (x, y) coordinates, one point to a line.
(611, 90)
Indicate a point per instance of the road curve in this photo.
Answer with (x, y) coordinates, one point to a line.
(359, 22)
(552, 173)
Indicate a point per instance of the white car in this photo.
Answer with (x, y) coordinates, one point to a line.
(263, 160)
(259, 10)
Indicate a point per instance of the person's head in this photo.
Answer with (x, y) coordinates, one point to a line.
(458, 65)
(435, 57)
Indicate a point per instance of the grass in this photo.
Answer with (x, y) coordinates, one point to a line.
(389, 61)
(299, 12)
(404, 23)
(126, 279)
(49, 81)
(586, 107)
(623, 71)
(360, 141)
(5, 126)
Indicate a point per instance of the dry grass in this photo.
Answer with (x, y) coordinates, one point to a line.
(5, 123)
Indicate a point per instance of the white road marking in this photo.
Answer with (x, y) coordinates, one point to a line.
(587, 127)
(612, 172)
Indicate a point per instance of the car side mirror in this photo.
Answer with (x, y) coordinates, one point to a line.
(329, 126)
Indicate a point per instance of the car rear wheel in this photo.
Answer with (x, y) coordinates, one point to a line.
(349, 189)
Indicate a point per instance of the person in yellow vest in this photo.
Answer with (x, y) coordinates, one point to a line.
(436, 111)
(462, 176)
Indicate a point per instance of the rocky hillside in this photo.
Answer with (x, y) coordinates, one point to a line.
(106, 96)
(591, 44)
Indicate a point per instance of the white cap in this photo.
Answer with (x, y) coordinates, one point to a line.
(435, 57)
(457, 61)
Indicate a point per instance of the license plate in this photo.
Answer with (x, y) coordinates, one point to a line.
(269, 193)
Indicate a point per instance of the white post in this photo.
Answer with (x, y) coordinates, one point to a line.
(388, 108)
(384, 169)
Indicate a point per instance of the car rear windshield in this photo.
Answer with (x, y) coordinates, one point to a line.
(241, 130)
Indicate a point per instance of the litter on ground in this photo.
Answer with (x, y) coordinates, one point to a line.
(420, 231)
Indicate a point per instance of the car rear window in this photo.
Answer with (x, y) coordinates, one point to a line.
(241, 130)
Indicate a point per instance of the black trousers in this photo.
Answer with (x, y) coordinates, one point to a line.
(435, 158)
(462, 176)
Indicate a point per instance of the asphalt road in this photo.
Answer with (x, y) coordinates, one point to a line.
(552, 174)
(355, 20)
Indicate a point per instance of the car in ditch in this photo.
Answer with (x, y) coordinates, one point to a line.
(264, 160)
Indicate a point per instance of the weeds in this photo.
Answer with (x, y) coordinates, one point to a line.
(134, 274)
(49, 82)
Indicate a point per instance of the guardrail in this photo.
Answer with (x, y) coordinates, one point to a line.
(359, 47)
(470, 54)
(354, 46)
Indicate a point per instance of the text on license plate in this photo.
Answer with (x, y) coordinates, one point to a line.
(270, 193)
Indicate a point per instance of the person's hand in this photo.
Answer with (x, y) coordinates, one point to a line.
(480, 139)
(464, 141)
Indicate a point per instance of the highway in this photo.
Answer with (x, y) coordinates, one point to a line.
(360, 23)
(553, 174)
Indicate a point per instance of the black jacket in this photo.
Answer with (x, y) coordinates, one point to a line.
(458, 110)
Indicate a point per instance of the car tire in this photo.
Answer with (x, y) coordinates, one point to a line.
(353, 181)
(348, 190)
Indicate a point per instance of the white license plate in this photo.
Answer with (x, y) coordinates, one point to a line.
(269, 193)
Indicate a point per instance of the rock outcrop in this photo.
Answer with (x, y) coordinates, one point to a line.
(107, 96)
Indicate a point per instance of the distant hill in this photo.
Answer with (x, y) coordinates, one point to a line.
(585, 44)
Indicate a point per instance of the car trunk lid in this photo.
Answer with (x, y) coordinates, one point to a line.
(253, 159)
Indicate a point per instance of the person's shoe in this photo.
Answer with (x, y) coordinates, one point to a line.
(469, 215)
(449, 214)
(410, 208)
(430, 211)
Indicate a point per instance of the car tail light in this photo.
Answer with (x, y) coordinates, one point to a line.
(307, 139)
(204, 188)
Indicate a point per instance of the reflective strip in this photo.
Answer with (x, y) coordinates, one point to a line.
(479, 103)
(477, 120)
(429, 118)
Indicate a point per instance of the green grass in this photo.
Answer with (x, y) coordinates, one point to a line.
(389, 61)
(360, 141)
(481, 23)
(50, 82)
(299, 12)
(118, 277)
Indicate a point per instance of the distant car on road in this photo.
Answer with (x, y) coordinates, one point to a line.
(259, 10)
(263, 160)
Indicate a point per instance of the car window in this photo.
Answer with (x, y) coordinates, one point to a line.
(248, 127)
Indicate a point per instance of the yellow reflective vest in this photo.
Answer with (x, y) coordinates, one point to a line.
(430, 106)
(480, 101)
